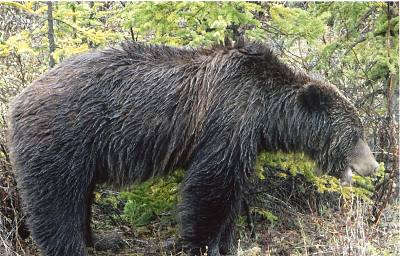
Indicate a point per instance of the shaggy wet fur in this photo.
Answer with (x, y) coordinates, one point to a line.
(126, 114)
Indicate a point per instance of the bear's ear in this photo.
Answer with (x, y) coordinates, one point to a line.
(314, 97)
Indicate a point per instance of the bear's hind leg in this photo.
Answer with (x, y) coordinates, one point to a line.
(57, 209)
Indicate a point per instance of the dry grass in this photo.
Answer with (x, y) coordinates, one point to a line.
(344, 232)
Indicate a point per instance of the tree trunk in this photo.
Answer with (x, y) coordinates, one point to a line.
(50, 33)
(386, 191)
(91, 15)
(74, 32)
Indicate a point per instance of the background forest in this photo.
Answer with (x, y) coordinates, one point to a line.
(289, 211)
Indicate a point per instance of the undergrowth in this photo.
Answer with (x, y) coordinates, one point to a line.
(152, 200)
(285, 194)
(285, 177)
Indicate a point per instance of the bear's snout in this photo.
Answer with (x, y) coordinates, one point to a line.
(365, 169)
(361, 162)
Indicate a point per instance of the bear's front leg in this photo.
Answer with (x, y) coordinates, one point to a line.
(210, 197)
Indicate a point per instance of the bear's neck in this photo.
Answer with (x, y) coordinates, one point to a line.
(288, 127)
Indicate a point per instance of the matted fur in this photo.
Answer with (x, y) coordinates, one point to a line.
(126, 114)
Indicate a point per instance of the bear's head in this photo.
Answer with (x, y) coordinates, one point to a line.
(337, 142)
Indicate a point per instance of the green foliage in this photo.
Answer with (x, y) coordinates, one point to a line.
(295, 163)
(187, 23)
(152, 199)
(297, 22)
(107, 200)
(265, 214)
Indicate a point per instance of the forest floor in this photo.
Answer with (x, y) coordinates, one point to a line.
(334, 232)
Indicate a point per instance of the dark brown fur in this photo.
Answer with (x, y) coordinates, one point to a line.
(126, 114)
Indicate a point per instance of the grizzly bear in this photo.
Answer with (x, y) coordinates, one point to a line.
(126, 114)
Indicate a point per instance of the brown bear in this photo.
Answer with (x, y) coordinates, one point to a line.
(125, 114)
